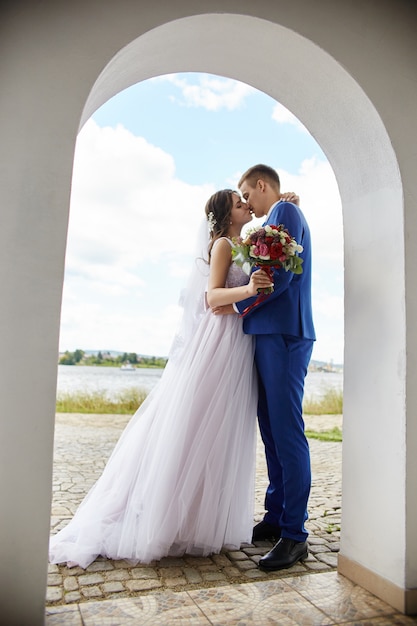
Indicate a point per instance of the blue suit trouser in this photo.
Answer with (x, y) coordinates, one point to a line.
(282, 362)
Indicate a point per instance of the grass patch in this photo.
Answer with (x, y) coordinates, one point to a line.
(331, 403)
(126, 402)
(335, 434)
(129, 400)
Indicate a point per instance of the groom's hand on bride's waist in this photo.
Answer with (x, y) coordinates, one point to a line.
(226, 309)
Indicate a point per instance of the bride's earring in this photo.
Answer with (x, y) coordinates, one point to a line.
(231, 222)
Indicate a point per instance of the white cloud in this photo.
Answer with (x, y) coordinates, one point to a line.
(89, 325)
(283, 116)
(127, 205)
(210, 92)
(320, 201)
(329, 347)
(129, 213)
(328, 305)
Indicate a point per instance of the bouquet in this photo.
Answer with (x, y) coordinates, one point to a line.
(267, 247)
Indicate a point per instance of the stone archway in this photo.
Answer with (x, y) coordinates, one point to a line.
(286, 58)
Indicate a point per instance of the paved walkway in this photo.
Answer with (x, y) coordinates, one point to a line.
(192, 590)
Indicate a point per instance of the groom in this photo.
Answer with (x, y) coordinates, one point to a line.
(284, 336)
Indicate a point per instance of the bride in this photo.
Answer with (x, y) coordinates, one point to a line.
(180, 479)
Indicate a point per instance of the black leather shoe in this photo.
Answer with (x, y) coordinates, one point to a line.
(266, 532)
(284, 554)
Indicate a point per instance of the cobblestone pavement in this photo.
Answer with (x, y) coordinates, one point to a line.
(82, 445)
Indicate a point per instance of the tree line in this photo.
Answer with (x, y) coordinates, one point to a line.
(79, 357)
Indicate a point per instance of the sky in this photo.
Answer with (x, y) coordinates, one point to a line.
(145, 164)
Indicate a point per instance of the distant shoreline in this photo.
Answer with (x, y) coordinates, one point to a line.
(313, 367)
(137, 366)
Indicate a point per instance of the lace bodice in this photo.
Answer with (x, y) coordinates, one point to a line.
(236, 277)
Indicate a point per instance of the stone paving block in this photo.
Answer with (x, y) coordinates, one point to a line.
(245, 565)
(72, 571)
(196, 561)
(171, 572)
(92, 592)
(121, 564)
(169, 561)
(330, 558)
(232, 572)
(238, 555)
(209, 568)
(298, 568)
(70, 583)
(221, 560)
(312, 540)
(175, 582)
(145, 572)
(62, 512)
(256, 558)
(256, 550)
(192, 575)
(52, 568)
(213, 576)
(316, 549)
(254, 574)
(317, 566)
(54, 579)
(113, 587)
(118, 574)
(90, 579)
(72, 596)
(143, 585)
(53, 594)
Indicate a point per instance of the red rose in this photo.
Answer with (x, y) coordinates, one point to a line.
(275, 251)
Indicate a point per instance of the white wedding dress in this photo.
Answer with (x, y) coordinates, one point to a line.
(181, 477)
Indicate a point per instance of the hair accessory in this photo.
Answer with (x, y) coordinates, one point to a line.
(211, 221)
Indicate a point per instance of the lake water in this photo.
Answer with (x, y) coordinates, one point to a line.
(112, 380)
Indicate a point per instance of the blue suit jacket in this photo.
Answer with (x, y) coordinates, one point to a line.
(288, 309)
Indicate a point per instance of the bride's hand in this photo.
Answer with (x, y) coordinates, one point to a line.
(290, 196)
(258, 280)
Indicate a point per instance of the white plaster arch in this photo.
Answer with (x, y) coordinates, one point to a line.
(350, 131)
(326, 69)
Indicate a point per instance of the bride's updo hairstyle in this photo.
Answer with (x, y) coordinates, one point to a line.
(218, 211)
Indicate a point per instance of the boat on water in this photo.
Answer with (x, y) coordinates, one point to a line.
(127, 367)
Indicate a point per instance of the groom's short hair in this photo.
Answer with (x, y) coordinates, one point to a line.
(256, 172)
